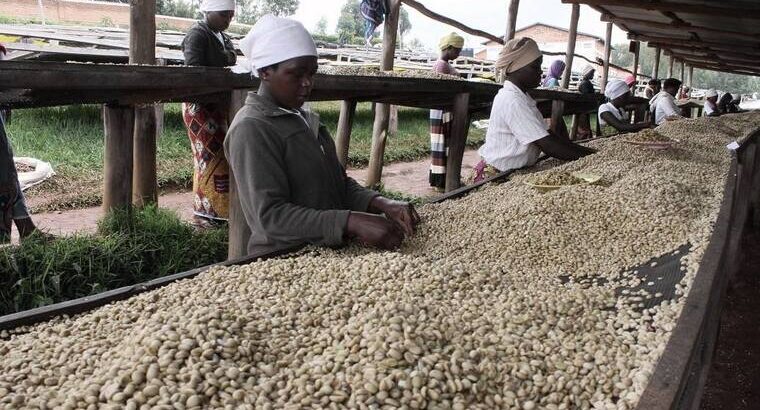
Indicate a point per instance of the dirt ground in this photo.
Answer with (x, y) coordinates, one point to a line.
(410, 178)
(734, 378)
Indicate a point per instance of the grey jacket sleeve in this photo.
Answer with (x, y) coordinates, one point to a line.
(194, 48)
(357, 196)
(256, 156)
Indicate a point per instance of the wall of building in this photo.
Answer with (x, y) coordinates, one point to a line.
(83, 12)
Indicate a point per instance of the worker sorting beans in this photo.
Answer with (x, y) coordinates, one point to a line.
(468, 314)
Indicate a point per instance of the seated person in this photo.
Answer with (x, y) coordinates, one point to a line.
(291, 188)
(619, 95)
(554, 74)
(652, 88)
(711, 104)
(517, 133)
(663, 105)
(727, 104)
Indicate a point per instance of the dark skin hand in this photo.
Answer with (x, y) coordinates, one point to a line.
(623, 126)
(553, 145)
(289, 83)
(399, 212)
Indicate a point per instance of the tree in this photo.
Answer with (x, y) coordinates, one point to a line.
(321, 28)
(350, 23)
(404, 25)
(416, 44)
(177, 8)
(251, 10)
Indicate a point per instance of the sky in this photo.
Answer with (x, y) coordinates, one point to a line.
(486, 15)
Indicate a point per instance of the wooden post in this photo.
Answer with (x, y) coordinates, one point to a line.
(636, 65)
(160, 108)
(345, 125)
(239, 232)
(691, 76)
(670, 66)
(683, 72)
(460, 126)
(514, 6)
(571, 45)
(142, 50)
(393, 121)
(656, 68)
(557, 119)
(607, 52)
(382, 115)
(118, 123)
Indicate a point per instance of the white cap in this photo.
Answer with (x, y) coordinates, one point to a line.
(711, 93)
(273, 40)
(615, 89)
(217, 5)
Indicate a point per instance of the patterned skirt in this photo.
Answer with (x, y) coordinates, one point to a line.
(206, 128)
(440, 130)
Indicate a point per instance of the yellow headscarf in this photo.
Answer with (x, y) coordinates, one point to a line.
(517, 53)
(451, 40)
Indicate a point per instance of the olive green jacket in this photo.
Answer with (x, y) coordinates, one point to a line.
(291, 188)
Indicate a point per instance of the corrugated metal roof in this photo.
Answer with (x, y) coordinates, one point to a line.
(716, 35)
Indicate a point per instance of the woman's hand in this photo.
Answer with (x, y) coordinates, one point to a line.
(402, 213)
(374, 230)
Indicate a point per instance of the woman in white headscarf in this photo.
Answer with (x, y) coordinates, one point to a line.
(206, 45)
(711, 104)
(618, 93)
(291, 187)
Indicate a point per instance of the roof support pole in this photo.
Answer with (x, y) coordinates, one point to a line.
(656, 67)
(670, 66)
(607, 52)
(514, 6)
(142, 50)
(345, 124)
(460, 125)
(118, 122)
(683, 72)
(572, 35)
(382, 112)
(636, 55)
(691, 76)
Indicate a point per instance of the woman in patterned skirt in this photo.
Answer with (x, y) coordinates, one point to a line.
(206, 45)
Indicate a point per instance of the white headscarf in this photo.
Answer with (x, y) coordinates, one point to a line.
(711, 93)
(273, 40)
(217, 5)
(615, 89)
(587, 69)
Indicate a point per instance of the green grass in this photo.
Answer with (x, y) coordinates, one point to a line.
(71, 139)
(129, 248)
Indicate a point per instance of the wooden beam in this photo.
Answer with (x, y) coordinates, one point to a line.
(514, 6)
(345, 125)
(671, 62)
(691, 76)
(688, 8)
(118, 121)
(382, 113)
(683, 72)
(239, 231)
(572, 36)
(667, 41)
(656, 67)
(678, 26)
(459, 127)
(142, 50)
(451, 22)
(607, 52)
